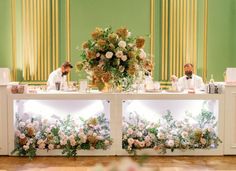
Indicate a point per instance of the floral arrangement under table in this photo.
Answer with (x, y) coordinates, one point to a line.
(74, 124)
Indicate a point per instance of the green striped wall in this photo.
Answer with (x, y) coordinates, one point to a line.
(135, 14)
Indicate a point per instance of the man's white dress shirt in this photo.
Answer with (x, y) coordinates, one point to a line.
(195, 82)
(56, 76)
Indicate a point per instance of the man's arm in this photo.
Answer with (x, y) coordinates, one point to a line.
(51, 81)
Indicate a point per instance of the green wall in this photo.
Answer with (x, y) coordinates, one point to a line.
(5, 34)
(221, 37)
(135, 15)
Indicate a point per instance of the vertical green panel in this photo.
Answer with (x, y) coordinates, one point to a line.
(157, 40)
(200, 36)
(221, 37)
(62, 31)
(5, 34)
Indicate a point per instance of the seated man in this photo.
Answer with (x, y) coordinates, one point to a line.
(190, 80)
(59, 75)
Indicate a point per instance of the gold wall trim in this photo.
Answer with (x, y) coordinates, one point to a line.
(57, 33)
(13, 16)
(68, 34)
(166, 41)
(152, 28)
(163, 41)
(38, 47)
(53, 37)
(49, 36)
(205, 40)
(171, 37)
(179, 39)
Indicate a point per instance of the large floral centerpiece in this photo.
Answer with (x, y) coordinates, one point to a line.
(114, 58)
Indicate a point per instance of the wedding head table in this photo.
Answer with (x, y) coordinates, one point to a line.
(97, 124)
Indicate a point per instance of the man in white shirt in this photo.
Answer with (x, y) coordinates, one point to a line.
(190, 81)
(59, 77)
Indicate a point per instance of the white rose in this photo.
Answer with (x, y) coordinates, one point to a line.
(50, 146)
(30, 141)
(99, 137)
(147, 138)
(22, 124)
(124, 58)
(63, 142)
(107, 143)
(210, 129)
(129, 34)
(28, 121)
(122, 44)
(92, 148)
(30, 125)
(152, 136)
(109, 55)
(141, 126)
(98, 54)
(36, 124)
(26, 147)
(119, 54)
(170, 143)
(178, 124)
(139, 134)
(130, 141)
(169, 136)
(130, 131)
(148, 144)
(90, 132)
(83, 137)
(22, 136)
(61, 134)
(48, 130)
(142, 54)
(173, 132)
(161, 136)
(184, 134)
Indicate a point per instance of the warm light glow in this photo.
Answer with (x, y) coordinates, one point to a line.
(62, 108)
(152, 110)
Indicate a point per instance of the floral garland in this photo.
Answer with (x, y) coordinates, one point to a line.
(114, 57)
(169, 133)
(37, 133)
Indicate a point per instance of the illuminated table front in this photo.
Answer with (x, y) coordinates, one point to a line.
(117, 124)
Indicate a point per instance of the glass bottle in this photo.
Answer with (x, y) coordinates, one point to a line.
(212, 79)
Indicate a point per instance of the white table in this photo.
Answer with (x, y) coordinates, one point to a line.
(116, 105)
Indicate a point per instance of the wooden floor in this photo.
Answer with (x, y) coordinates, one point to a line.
(85, 163)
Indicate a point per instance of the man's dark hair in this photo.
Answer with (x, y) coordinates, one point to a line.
(67, 64)
(188, 64)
